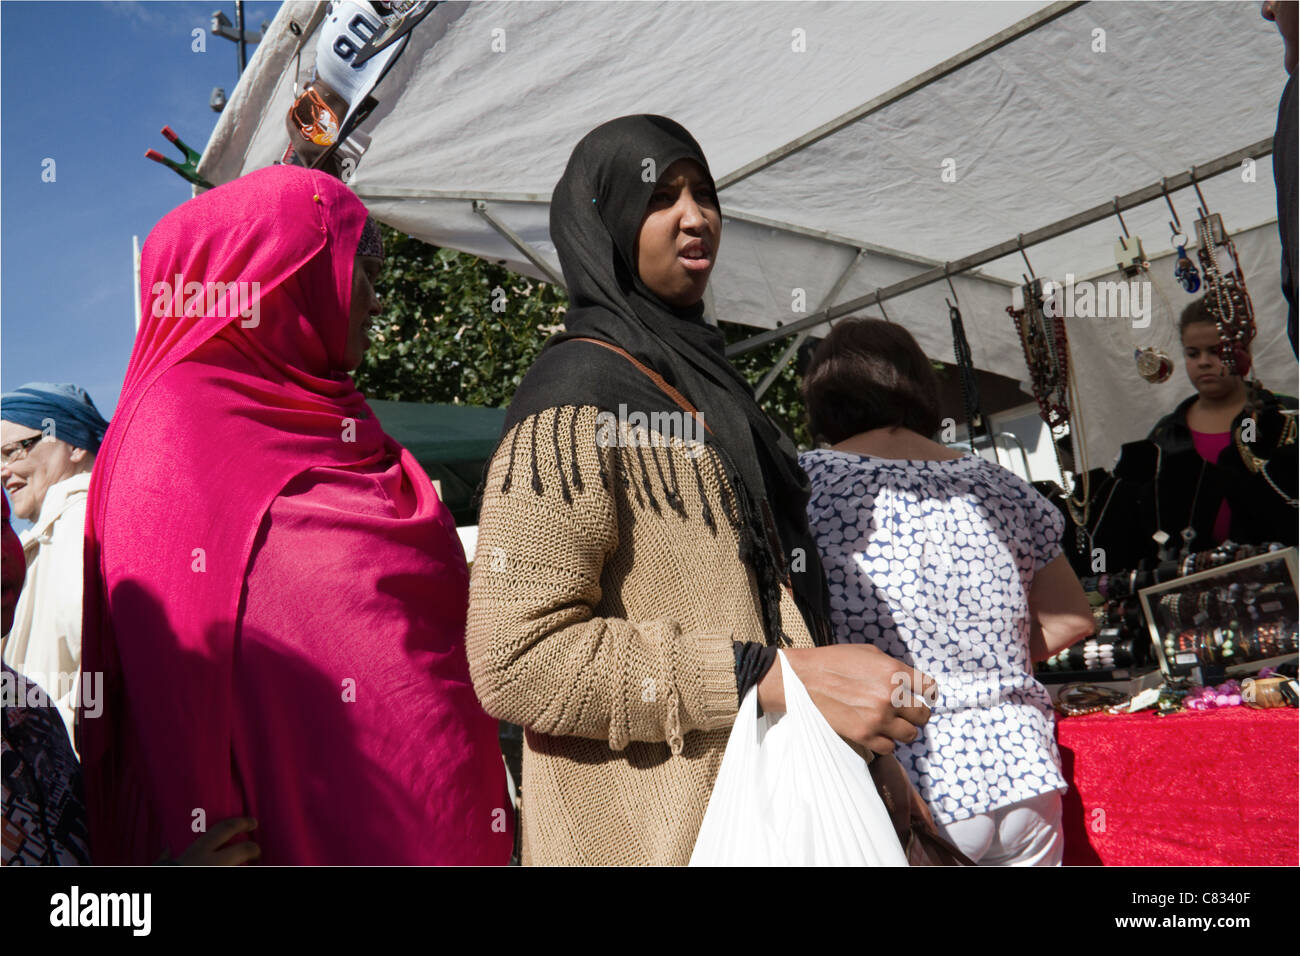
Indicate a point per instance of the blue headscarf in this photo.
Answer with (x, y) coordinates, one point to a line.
(76, 419)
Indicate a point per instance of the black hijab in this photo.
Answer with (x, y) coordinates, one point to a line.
(596, 214)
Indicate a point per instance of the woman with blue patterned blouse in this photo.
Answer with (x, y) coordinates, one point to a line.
(953, 565)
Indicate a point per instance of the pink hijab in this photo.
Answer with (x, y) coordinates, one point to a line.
(217, 415)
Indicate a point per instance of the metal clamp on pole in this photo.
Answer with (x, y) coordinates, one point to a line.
(509, 235)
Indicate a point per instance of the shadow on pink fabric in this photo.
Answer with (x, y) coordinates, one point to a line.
(275, 596)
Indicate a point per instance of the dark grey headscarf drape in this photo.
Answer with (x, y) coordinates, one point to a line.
(596, 215)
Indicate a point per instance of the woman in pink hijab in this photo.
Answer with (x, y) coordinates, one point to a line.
(275, 596)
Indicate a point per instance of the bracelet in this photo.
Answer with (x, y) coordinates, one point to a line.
(1124, 652)
(1269, 635)
(1262, 692)
(1169, 606)
(1228, 646)
(1080, 699)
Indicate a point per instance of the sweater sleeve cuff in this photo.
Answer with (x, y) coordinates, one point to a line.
(752, 662)
(718, 680)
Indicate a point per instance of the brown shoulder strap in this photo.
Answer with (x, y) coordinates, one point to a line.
(654, 376)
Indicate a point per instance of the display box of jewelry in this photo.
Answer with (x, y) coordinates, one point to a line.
(1236, 617)
(1124, 687)
(1118, 653)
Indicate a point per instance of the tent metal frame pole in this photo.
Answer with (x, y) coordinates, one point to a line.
(920, 81)
(381, 193)
(793, 348)
(515, 240)
(856, 244)
(771, 375)
(1198, 173)
(402, 192)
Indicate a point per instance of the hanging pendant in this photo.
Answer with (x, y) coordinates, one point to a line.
(1161, 538)
(1153, 365)
(1184, 269)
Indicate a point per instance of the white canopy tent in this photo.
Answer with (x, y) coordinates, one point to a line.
(830, 128)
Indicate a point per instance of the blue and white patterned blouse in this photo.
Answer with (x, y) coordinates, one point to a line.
(932, 562)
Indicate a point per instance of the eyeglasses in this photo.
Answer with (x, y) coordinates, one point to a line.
(17, 451)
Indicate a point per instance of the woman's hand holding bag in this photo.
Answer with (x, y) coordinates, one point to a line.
(869, 698)
(791, 792)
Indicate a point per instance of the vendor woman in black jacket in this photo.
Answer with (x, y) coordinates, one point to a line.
(1226, 457)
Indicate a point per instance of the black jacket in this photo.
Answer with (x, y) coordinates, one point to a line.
(1259, 513)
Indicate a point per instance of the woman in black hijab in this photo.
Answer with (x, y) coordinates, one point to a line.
(622, 548)
(599, 246)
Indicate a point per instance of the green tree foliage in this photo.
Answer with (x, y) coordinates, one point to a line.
(782, 400)
(440, 339)
(454, 328)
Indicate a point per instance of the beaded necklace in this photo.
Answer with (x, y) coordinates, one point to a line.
(1047, 354)
(1226, 298)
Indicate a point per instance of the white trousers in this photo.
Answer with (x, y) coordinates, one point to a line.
(1028, 833)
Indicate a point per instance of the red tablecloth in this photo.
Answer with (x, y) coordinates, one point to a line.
(1217, 788)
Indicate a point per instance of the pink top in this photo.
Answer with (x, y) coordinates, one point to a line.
(1209, 445)
(275, 597)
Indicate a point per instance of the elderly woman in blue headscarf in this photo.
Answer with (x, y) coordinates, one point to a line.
(49, 435)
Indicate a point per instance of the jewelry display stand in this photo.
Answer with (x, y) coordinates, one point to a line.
(1238, 617)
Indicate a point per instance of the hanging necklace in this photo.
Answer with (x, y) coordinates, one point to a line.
(1259, 466)
(1101, 515)
(1226, 298)
(1046, 354)
(1189, 533)
(970, 393)
(1281, 494)
(1047, 357)
(1161, 535)
(1153, 364)
(1078, 510)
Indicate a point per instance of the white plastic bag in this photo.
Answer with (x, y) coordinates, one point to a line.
(790, 792)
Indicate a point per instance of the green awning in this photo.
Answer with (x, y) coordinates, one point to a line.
(442, 433)
(451, 443)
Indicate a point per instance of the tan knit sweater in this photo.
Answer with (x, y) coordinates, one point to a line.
(604, 626)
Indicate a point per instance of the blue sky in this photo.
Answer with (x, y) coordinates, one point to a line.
(90, 85)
